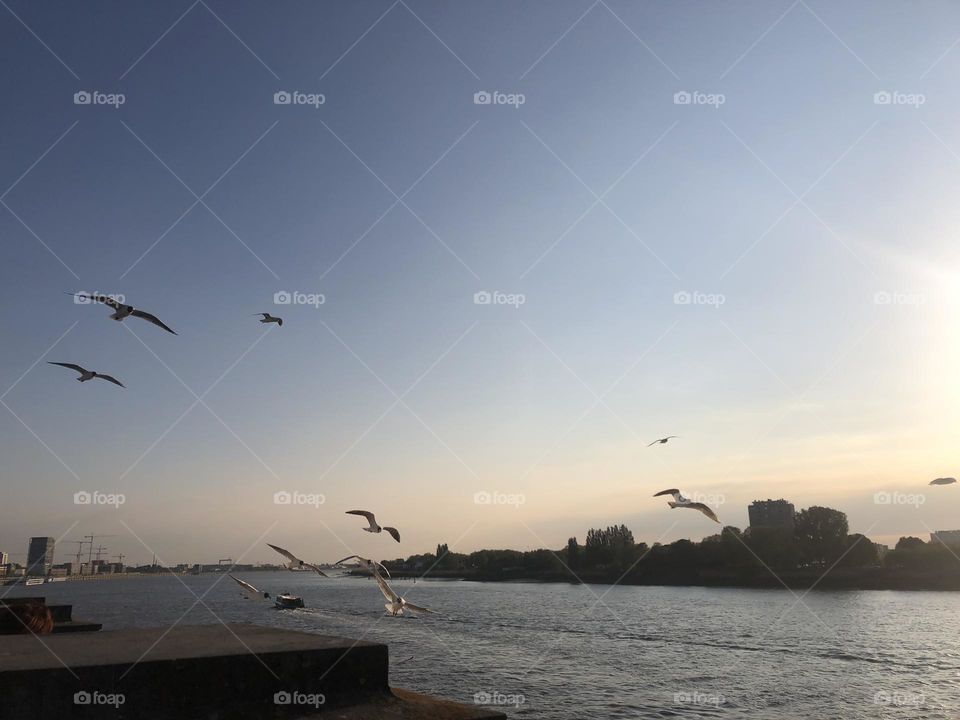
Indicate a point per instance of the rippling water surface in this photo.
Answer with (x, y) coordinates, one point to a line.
(600, 651)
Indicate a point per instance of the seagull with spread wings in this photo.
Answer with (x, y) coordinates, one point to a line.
(374, 527)
(121, 311)
(679, 501)
(88, 374)
(295, 562)
(371, 566)
(395, 604)
(268, 318)
(249, 590)
(663, 441)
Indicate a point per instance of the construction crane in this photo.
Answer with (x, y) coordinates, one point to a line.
(221, 561)
(120, 558)
(79, 544)
(100, 551)
(91, 538)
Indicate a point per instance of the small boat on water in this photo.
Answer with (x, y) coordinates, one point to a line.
(288, 602)
(33, 581)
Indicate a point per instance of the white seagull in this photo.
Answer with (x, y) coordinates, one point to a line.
(374, 528)
(88, 374)
(679, 501)
(943, 481)
(249, 590)
(268, 318)
(121, 311)
(295, 562)
(395, 604)
(663, 441)
(371, 566)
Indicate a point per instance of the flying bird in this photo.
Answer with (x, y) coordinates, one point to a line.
(943, 481)
(679, 501)
(663, 441)
(295, 562)
(121, 311)
(88, 374)
(374, 528)
(249, 590)
(268, 318)
(370, 565)
(395, 604)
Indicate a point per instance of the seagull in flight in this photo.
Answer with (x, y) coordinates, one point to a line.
(663, 441)
(121, 311)
(374, 528)
(88, 374)
(679, 501)
(395, 604)
(371, 566)
(268, 318)
(249, 590)
(943, 481)
(295, 562)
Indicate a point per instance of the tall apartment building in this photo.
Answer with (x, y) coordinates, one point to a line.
(776, 514)
(40, 555)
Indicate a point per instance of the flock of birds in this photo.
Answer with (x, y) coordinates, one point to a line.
(395, 603)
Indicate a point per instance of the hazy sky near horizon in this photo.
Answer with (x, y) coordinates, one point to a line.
(803, 202)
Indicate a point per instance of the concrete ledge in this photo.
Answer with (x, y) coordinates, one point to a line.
(213, 672)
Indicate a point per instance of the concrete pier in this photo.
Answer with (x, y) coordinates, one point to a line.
(208, 672)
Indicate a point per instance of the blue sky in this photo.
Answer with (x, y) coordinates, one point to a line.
(788, 199)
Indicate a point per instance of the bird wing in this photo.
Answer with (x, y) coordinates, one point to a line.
(416, 608)
(105, 299)
(68, 365)
(387, 591)
(380, 566)
(653, 443)
(243, 584)
(110, 378)
(394, 532)
(938, 481)
(705, 509)
(320, 572)
(286, 553)
(151, 318)
(673, 491)
(348, 557)
(365, 513)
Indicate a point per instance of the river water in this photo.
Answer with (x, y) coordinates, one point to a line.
(566, 651)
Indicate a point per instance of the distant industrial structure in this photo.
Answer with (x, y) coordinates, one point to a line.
(771, 514)
(950, 538)
(40, 555)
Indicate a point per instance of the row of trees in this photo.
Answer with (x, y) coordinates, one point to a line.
(820, 538)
